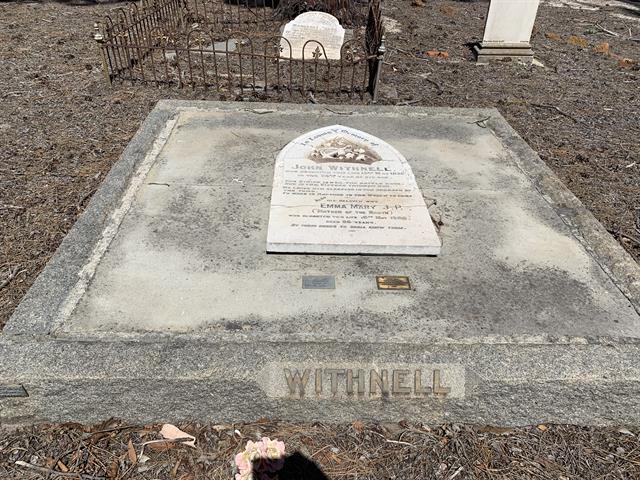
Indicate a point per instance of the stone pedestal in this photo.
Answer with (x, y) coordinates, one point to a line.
(507, 31)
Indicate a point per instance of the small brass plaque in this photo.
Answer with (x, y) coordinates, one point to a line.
(13, 391)
(393, 282)
(323, 282)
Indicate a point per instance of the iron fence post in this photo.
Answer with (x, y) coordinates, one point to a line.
(98, 37)
(380, 60)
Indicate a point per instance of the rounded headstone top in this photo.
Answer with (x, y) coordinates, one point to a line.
(312, 35)
(316, 19)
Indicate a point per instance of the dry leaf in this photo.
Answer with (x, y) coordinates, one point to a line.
(358, 426)
(626, 63)
(418, 3)
(603, 48)
(553, 36)
(543, 428)
(448, 10)
(578, 41)
(437, 54)
(171, 432)
(62, 467)
(112, 471)
(131, 452)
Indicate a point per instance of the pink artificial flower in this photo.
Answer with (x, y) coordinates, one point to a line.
(260, 458)
(241, 462)
(262, 447)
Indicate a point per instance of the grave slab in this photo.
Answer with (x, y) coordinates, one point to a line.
(163, 304)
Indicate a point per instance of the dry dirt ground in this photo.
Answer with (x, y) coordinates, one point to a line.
(61, 130)
(357, 451)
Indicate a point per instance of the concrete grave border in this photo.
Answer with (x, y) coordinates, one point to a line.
(527, 379)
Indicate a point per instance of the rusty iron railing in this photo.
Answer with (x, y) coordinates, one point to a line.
(235, 49)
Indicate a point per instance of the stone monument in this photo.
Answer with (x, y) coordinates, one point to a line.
(507, 31)
(339, 190)
(312, 35)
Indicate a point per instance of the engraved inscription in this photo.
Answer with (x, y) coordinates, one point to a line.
(404, 382)
(295, 381)
(362, 382)
(393, 282)
(319, 34)
(340, 190)
(13, 391)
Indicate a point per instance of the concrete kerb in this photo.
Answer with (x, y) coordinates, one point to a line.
(36, 313)
(190, 379)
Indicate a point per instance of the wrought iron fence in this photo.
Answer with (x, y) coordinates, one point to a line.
(235, 47)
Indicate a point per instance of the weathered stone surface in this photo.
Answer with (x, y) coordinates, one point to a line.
(340, 190)
(162, 304)
(314, 34)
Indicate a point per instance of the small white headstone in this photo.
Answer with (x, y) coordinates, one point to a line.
(340, 190)
(510, 22)
(322, 29)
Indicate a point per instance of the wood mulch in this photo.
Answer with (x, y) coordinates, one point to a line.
(401, 451)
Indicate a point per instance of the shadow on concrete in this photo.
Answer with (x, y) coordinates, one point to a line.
(295, 467)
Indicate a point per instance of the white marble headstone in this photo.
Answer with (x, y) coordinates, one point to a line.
(340, 190)
(510, 22)
(322, 29)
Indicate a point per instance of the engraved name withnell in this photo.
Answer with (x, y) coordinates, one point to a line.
(362, 381)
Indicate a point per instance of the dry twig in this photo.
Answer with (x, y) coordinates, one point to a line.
(48, 471)
(408, 102)
(557, 109)
(613, 34)
(480, 122)
(631, 238)
(338, 112)
(13, 273)
(438, 86)
(7, 206)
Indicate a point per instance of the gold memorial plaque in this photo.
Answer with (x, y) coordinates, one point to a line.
(393, 282)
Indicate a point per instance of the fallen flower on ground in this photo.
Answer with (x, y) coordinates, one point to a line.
(260, 459)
